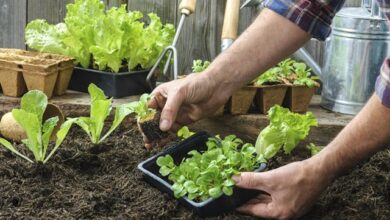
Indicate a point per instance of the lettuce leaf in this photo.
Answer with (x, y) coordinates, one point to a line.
(286, 129)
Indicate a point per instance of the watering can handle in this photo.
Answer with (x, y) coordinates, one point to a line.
(230, 23)
(187, 7)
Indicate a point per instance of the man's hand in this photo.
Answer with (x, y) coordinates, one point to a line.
(288, 192)
(187, 100)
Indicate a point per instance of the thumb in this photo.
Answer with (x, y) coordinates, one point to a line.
(169, 112)
(252, 180)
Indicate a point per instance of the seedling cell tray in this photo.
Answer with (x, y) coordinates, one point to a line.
(210, 207)
(115, 85)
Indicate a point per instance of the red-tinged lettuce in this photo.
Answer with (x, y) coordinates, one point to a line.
(286, 130)
(30, 118)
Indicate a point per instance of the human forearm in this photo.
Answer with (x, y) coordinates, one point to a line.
(268, 40)
(366, 134)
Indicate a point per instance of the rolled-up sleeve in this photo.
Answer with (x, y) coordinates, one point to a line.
(313, 16)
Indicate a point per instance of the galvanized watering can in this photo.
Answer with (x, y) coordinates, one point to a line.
(354, 53)
(353, 56)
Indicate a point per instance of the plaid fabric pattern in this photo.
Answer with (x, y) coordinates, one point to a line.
(315, 17)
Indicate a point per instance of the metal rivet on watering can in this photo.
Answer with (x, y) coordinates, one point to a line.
(354, 53)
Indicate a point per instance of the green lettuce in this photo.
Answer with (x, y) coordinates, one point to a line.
(100, 110)
(106, 40)
(286, 130)
(30, 118)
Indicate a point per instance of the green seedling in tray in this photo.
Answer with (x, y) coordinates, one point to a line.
(208, 174)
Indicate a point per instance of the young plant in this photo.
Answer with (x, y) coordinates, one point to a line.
(314, 149)
(100, 110)
(303, 76)
(30, 118)
(286, 130)
(270, 77)
(184, 133)
(147, 118)
(208, 174)
(199, 65)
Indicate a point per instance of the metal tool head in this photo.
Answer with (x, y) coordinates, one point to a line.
(251, 3)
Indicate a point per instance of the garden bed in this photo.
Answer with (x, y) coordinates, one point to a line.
(86, 182)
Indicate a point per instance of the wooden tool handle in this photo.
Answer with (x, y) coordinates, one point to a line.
(230, 22)
(187, 6)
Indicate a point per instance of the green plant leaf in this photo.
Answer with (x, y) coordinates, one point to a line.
(200, 65)
(120, 113)
(227, 190)
(184, 133)
(9, 146)
(34, 102)
(286, 129)
(32, 126)
(61, 135)
(215, 192)
(47, 130)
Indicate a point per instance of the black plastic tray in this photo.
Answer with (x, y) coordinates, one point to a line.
(210, 207)
(113, 84)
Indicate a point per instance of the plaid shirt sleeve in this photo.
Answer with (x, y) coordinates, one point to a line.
(315, 17)
(382, 86)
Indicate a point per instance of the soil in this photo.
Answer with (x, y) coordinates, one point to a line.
(82, 181)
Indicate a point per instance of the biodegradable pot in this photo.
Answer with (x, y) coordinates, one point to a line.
(11, 79)
(210, 207)
(113, 84)
(10, 129)
(268, 96)
(298, 98)
(38, 70)
(241, 100)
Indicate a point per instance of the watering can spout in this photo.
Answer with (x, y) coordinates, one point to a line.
(304, 56)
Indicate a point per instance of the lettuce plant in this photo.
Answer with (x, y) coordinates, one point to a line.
(113, 40)
(303, 76)
(100, 110)
(184, 133)
(30, 118)
(141, 108)
(200, 65)
(286, 130)
(209, 174)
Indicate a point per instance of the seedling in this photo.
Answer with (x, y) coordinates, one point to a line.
(303, 76)
(147, 118)
(199, 65)
(184, 133)
(30, 118)
(208, 174)
(314, 149)
(100, 110)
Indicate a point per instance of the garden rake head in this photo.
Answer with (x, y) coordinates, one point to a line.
(186, 8)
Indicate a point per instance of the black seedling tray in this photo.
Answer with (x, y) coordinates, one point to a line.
(113, 84)
(210, 207)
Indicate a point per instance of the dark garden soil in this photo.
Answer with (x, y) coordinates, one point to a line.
(86, 182)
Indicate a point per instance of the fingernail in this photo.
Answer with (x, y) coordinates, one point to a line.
(236, 179)
(164, 125)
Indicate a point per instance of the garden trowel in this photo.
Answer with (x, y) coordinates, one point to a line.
(230, 23)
